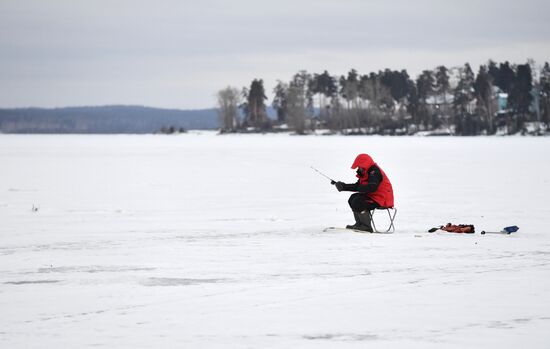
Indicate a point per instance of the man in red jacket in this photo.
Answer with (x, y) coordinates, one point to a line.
(373, 189)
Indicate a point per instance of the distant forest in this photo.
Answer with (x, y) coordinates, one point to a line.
(501, 98)
(105, 119)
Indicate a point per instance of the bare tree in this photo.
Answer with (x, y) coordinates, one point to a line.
(228, 104)
(299, 101)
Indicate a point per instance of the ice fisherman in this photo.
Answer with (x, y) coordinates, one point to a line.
(373, 190)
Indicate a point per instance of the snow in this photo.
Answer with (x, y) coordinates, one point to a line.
(206, 241)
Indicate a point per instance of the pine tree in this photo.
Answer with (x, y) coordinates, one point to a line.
(463, 96)
(413, 102)
(280, 101)
(396, 82)
(506, 77)
(483, 88)
(256, 114)
(425, 87)
(349, 88)
(520, 95)
(494, 72)
(544, 97)
(323, 85)
(442, 87)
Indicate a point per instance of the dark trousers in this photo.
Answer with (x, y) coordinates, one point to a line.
(361, 202)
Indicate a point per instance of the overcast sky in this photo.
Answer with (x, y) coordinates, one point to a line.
(178, 54)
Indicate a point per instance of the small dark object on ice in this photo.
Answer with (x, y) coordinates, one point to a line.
(505, 230)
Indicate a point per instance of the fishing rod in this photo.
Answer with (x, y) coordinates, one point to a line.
(332, 181)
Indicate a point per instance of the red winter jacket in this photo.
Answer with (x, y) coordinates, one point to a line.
(384, 194)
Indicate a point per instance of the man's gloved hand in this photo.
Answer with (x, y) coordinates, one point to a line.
(339, 186)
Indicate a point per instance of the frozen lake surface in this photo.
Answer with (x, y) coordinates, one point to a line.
(206, 241)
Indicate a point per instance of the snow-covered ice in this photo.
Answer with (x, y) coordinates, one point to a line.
(207, 241)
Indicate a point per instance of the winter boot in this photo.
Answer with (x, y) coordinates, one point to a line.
(366, 217)
(357, 224)
(362, 221)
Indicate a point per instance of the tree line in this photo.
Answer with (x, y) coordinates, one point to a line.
(500, 98)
